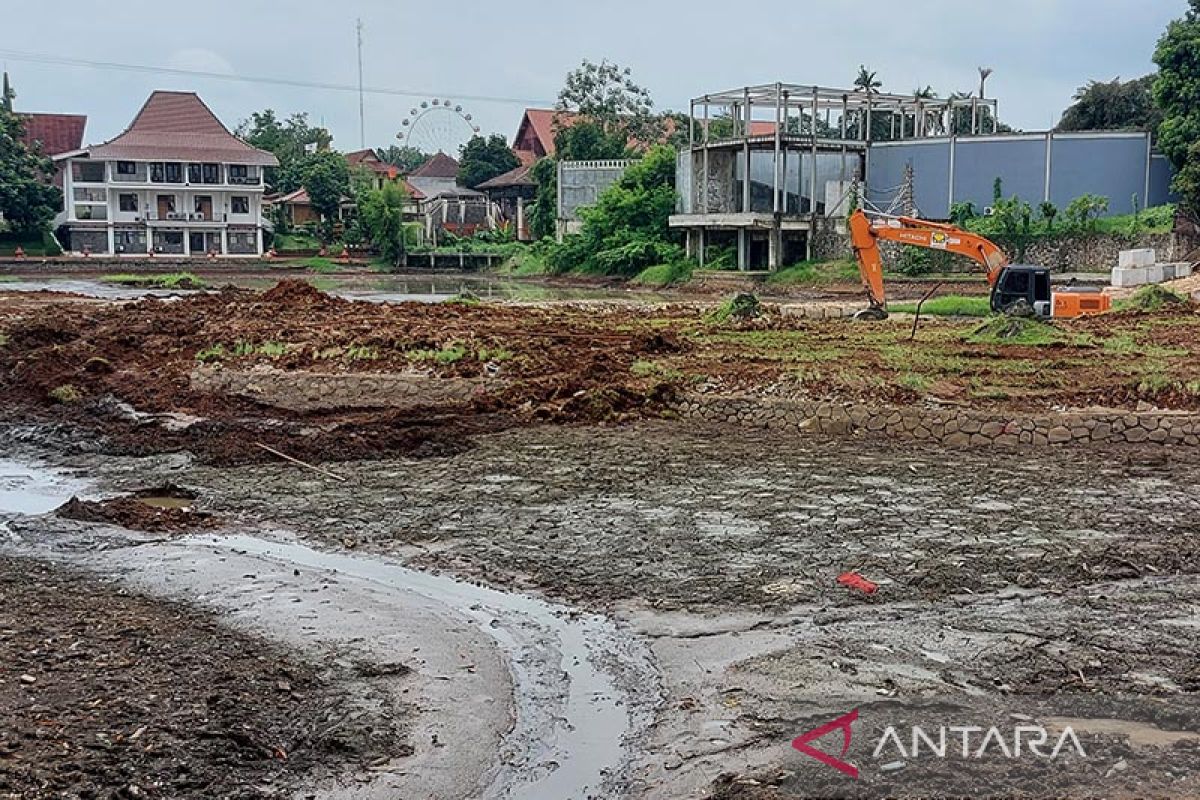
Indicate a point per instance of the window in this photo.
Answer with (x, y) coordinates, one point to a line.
(128, 202)
(156, 173)
(194, 173)
(212, 173)
(239, 204)
(126, 168)
(238, 171)
(174, 172)
(92, 172)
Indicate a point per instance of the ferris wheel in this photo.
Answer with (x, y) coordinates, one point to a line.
(437, 126)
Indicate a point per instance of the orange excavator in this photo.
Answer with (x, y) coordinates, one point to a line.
(1011, 283)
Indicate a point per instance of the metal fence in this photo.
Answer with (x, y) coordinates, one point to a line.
(1037, 167)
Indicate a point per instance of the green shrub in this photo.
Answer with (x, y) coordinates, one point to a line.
(665, 274)
(742, 306)
(65, 394)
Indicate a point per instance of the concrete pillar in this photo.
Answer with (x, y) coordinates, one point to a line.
(112, 239)
(743, 248)
(775, 248)
(225, 241)
(703, 246)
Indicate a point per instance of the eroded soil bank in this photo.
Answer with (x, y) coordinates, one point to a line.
(1015, 588)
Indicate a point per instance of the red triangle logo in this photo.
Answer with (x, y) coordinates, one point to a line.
(843, 724)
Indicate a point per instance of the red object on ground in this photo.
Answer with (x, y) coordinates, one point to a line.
(345, 254)
(19, 252)
(852, 580)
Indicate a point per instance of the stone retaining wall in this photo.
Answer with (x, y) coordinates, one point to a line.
(309, 391)
(950, 426)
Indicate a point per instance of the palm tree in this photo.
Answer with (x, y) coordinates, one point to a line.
(933, 119)
(867, 81)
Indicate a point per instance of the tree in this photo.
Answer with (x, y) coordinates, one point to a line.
(1175, 93)
(867, 80)
(405, 159)
(291, 140)
(28, 199)
(610, 116)
(1113, 105)
(326, 178)
(606, 95)
(382, 215)
(482, 159)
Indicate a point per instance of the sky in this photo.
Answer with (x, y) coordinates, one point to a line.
(1041, 51)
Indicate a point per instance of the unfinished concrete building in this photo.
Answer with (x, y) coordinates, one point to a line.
(766, 163)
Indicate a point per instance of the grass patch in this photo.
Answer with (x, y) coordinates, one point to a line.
(496, 354)
(65, 394)
(321, 264)
(664, 274)
(172, 280)
(949, 306)
(524, 263)
(464, 299)
(1002, 329)
(450, 354)
(220, 352)
(816, 272)
(916, 382)
(296, 240)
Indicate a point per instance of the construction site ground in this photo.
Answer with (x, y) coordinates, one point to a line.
(667, 616)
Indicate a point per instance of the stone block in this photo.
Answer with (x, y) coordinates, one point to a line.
(1183, 271)
(1168, 271)
(1154, 274)
(1126, 277)
(1059, 435)
(1137, 258)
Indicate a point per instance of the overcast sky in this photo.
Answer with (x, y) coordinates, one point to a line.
(1041, 51)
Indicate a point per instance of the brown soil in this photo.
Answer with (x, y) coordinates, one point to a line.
(107, 694)
(163, 510)
(67, 361)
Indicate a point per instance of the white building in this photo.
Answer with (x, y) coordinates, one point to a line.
(176, 182)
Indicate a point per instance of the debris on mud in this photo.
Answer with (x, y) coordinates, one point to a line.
(123, 695)
(738, 307)
(167, 509)
(1015, 329)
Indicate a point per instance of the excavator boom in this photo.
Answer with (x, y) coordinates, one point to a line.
(866, 233)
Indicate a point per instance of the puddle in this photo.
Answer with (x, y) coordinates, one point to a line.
(27, 488)
(1138, 734)
(583, 689)
(371, 288)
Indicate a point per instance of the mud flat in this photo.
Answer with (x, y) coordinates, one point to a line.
(1013, 589)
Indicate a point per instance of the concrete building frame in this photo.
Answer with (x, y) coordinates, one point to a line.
(791, 122)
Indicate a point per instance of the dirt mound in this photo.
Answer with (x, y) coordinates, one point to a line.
(1008, 329)
(1155, 298)
(294, 292)
(167, 509)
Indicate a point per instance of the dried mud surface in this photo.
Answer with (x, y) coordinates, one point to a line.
(106, 693)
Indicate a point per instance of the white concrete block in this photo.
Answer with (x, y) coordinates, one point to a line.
(1168, 271)
(1130, 259)
(1154, 274)
(1129, 276)
(1183, 271)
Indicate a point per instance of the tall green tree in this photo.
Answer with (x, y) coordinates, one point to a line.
(291, 140)
(28, 198)
(382, 215)
(607, 95)
(1113, 105)
(484, 158)
(326, 178)
(1177, 94)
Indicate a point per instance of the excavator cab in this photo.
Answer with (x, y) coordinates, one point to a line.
(1023, 282)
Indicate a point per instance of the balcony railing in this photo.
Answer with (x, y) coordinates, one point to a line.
(186, 216)
(245, 180)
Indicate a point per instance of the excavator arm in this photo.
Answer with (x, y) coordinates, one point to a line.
(866, 232)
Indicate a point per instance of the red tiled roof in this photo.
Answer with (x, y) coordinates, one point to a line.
(179, 126)
(413, 192)
(368, 159)
(542, 120)
(546, 122)
(759, 127)
(54, 133)
(516, 177)
(440, 166)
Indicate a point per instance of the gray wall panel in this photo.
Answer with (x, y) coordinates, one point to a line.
(1114, 167)
(931, 170)
(1019, 162)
